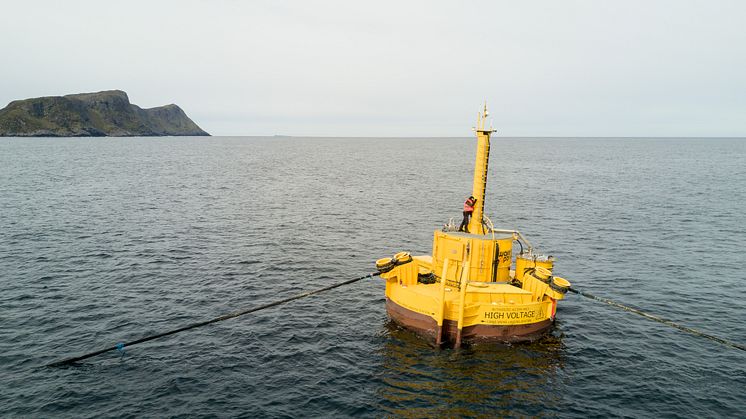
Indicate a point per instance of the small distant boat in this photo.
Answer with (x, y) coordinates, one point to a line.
(466, 290)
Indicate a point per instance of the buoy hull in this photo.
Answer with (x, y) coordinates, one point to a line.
(427, 327)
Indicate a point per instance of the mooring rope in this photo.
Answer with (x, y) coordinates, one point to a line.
(660, 320)
(121, 345)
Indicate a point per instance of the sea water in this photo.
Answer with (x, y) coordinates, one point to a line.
(106, 240)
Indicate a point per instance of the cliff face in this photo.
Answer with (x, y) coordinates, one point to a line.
(102, 114)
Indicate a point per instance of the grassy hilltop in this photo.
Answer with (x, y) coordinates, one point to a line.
(103, 114)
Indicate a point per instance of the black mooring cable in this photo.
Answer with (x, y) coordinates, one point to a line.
(660, 320)
(320, 290)
(206, 322)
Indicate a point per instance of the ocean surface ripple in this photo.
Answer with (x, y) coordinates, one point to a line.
(110, 240)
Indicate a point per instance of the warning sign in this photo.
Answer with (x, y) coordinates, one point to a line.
(524, 314)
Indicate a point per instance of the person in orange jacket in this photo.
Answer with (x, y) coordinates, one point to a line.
(468, 209)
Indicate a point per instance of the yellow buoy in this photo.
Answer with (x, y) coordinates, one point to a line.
(464, 290)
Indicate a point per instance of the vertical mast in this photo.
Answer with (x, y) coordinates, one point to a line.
(480, 171)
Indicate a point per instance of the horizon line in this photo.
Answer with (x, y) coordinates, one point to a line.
(279, 136)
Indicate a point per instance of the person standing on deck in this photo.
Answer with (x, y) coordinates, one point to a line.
(468, 209)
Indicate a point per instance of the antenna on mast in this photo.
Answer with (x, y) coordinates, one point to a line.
(482, 118)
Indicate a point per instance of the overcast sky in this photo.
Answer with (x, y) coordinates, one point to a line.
(379, 68)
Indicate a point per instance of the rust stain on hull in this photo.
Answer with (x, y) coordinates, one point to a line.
(426, 326)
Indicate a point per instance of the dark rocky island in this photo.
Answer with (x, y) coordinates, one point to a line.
(102, 114)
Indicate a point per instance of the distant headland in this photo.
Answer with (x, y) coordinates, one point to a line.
(102, 114)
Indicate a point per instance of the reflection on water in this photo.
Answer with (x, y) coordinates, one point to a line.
(479, 380)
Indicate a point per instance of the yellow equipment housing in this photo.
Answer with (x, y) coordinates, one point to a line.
(524, 263)
(490, 257)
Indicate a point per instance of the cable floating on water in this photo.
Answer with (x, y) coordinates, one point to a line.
(121, 345)
(660, 320)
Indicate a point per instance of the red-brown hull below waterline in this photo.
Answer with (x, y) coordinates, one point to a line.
(426, 326)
